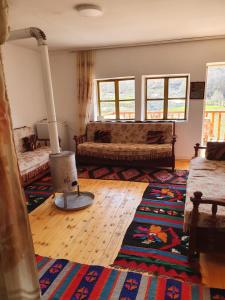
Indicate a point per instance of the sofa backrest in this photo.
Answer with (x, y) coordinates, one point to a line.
(130, 132)
(19, 134)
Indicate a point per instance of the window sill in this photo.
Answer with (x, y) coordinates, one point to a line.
(145, 121)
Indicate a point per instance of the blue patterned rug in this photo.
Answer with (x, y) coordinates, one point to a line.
(66, 280)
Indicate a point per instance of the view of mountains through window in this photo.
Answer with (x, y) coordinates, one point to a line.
(117, 99)
(214, 117)
(215, 90)
(166, 98)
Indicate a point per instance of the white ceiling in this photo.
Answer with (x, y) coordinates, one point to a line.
(123, 22)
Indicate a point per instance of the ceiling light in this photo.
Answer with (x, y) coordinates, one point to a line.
(89, 10)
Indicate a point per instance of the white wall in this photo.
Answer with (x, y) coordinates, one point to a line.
(24, 84)
(149, 60)
(166, 59)
(63, 67)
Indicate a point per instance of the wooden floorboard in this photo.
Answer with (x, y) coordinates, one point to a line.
(94, 235)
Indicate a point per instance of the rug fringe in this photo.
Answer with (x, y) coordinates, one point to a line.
(147, 273)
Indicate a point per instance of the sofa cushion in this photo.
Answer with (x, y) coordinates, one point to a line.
(215, 151)
(125, 151)
(155, 137)
(30, 143)
(102, 136)
(208, 177)
(19, 134)
(131, 133)
(31, 160)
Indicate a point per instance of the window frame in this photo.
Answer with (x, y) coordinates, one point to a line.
(117, 99)
(166, 98)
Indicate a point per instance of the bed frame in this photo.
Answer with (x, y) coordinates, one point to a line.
(210, 239)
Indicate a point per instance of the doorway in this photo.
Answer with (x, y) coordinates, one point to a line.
(214, 108)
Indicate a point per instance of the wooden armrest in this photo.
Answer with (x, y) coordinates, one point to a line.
(43, 140)
(198, 199)
(174, 138)
(197, 147)
(46, 141)
(213, 201)
(173, 141)
(79, 139)
(204, 200)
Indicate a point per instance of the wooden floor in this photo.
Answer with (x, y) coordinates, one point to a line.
(94, 235)
(182, 164)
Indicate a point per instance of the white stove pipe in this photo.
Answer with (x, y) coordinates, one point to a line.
(63, 164)
(49, 100)
(49, 97)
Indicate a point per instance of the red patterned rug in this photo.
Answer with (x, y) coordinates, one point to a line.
(38, 191)
(133, 174)
(155, 241)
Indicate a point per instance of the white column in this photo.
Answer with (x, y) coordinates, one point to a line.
(49, 100)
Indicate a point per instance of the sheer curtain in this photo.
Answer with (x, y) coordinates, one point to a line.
(85, 77)
(18, 277)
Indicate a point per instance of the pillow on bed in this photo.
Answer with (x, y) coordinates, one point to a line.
(30, 142)
(215, 151)
(102, 136)
(155, 137)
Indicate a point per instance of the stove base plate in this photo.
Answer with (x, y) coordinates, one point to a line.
(74, 200)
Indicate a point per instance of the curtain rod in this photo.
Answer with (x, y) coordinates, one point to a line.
(153, 43)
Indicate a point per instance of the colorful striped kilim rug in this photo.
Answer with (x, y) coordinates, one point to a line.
(133, 174)
(155, 241)
(65, 280)
(37, 192)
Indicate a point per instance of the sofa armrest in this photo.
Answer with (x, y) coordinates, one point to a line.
(79, 139)
(45, 141)
(197, 147)
(195, 242)
(174, 139)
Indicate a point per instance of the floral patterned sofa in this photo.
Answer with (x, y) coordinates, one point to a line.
(204, 214)
(32, 164)
(128, 145)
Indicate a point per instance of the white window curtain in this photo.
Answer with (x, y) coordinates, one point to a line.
(85, 78)
(18, 276)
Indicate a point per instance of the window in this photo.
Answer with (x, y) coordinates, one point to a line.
(116, 99)
(166, 98)
(214, 117)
